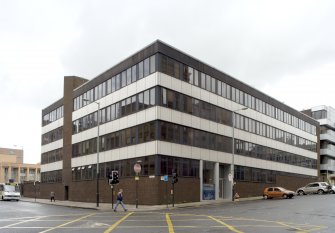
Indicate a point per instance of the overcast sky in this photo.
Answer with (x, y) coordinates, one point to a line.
(285, 49)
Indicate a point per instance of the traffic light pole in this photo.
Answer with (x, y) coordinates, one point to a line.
(112, 196)
(172, 194)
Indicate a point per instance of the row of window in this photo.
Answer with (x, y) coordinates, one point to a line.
(130, 136)
(256, 127)
(157, 165)
(126, 77)
(251, 174)
(266, 153)
(52, 156)
(187, 104)
(53, 116)
(321, 114)
(52, 135)
(165, 131)
(51, 176)
(242, 173)
(188, 74)
(117, 110)
(174, 100)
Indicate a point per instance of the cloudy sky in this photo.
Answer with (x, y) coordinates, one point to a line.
(286, 49)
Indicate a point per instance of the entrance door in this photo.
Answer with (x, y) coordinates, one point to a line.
(66, 193)
(221, 193)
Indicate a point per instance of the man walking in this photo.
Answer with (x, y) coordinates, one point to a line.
(120, 201)
(52, 196)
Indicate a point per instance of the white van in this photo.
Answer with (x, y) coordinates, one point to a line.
(9, 192)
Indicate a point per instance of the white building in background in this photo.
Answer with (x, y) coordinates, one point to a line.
(325, 115)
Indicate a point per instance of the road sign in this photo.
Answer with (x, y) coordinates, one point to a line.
(230, 177)
(137, 168)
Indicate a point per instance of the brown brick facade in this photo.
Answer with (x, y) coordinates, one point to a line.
(151, 191)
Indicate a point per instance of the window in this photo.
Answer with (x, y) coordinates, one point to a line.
(146, 67)
(152, 64)
(128, 76)
(133, 74)
(140, 70)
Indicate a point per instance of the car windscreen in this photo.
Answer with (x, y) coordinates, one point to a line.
(10, 188)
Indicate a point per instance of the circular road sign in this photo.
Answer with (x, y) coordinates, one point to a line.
(137, 168)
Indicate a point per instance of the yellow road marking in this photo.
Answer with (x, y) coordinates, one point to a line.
(76, 220)
(112, 227)
(225, 224)
(169, 222)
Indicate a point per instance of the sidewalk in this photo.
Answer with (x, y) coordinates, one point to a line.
(108, 206)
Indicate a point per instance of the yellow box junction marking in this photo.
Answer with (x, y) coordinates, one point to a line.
(226, 225)
(169, 222)
(112, 227)
(64, 224)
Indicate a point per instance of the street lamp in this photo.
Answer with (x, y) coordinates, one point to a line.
(98, 136)
(232, 172)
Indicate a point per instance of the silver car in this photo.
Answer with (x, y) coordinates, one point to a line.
(315, 187)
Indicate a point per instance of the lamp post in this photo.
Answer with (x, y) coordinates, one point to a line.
(232, 168)
(98, 136)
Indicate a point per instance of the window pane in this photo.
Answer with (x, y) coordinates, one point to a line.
(203, 81)
(118, 82)
(146, 67)
(196, 78)
(152, 97)
(146, 99)
(128, 76)
(124, 78)
(140, 70)
(152, 64)
(109, 86)
(113, 84)
(133, 73)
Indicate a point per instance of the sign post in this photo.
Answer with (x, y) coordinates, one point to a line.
(137, 170)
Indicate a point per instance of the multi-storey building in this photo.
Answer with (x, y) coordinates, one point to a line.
(12, 168)
(325, 115)
(172, 113)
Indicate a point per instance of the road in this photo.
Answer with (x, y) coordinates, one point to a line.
(312, 213)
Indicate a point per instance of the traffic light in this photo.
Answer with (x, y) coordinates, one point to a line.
(174, 178)
(113, 177)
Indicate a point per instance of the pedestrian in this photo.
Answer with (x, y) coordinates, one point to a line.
(120, 201)
(52, 196)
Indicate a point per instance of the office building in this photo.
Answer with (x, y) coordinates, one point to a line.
(172, 113)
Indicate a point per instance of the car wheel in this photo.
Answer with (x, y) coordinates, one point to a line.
(331, 192)
(300, 193)
(285, 196)
(265, 197)
(320, 191)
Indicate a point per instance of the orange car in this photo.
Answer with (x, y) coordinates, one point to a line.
(277, 192)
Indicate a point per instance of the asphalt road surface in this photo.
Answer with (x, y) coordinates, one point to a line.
(312, 213)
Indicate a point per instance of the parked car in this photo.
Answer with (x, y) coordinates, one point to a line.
(9, 192)
(332, 190)
(277, 192)
(315, 187)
